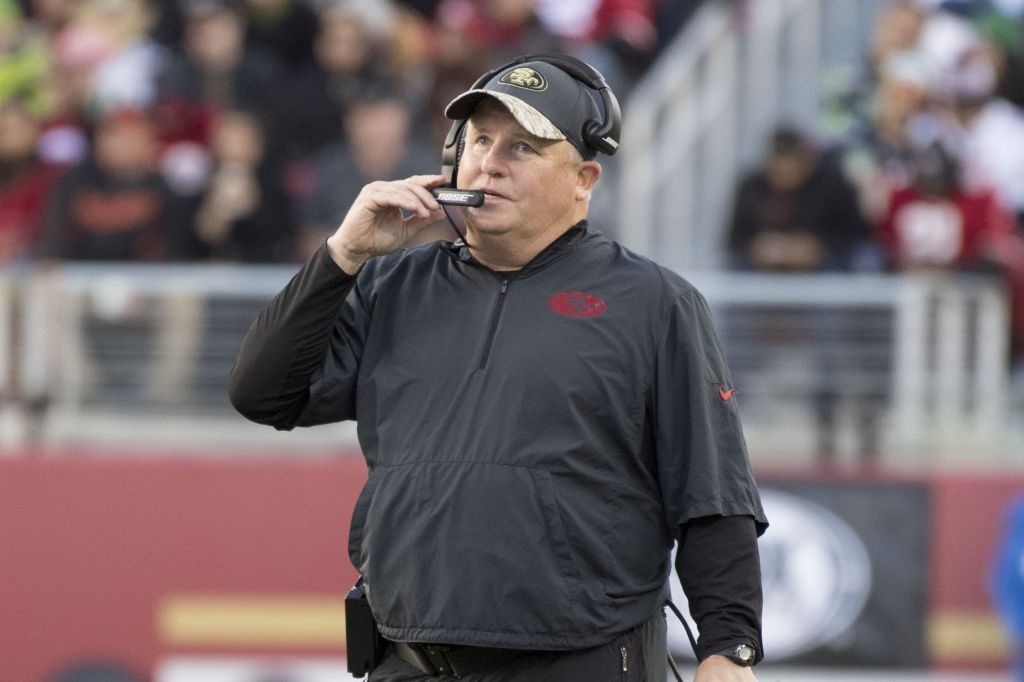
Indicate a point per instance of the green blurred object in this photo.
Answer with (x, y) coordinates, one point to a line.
(24, 63)
(999, 29)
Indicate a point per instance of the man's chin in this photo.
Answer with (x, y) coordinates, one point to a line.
(492, 226)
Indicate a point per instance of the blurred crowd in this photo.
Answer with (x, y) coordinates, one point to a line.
(241, 130)
(918, 161)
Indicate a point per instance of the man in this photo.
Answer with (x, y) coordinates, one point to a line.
(542, 412)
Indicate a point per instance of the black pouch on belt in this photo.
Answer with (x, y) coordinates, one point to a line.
(363, 641)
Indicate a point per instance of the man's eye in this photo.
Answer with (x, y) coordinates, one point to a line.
(524, 148)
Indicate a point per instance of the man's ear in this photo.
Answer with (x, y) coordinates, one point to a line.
(587, 175)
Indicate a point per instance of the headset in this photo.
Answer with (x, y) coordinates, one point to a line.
(600, 135)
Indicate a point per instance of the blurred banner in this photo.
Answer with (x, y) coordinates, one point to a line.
(844, 575)
(843, 566)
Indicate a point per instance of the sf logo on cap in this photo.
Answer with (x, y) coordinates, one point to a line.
(524, 77)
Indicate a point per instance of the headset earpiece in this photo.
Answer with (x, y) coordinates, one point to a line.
(452, 151)
(604, 136)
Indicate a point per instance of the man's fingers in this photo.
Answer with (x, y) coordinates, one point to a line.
(426, 198)
(427, 181)
(383, 217)
(417, 224)
(420, 185)
(407, 195)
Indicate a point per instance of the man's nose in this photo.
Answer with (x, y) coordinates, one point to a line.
(493, 161)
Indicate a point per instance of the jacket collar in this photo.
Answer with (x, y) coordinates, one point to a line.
(564, 244)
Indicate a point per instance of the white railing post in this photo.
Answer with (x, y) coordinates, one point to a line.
(951, 334)
(911, 357)
(991, 376)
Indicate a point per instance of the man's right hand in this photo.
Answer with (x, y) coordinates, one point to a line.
(374, 225)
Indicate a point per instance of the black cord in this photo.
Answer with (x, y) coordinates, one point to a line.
(454, 226)
(689, 636)
(686, 626)
(675, 669)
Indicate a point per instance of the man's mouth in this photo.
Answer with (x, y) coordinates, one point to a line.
(491, 194)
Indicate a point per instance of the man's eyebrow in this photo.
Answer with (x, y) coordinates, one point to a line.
(524, 135)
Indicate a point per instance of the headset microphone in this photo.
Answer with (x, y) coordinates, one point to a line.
(458, 197)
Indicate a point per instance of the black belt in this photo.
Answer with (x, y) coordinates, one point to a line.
(456, 661)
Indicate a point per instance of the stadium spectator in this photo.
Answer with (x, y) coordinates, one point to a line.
(49, 15)
(76, 51)
(896, 29)
(988, 130)
(797, 212)
(286, 28)
(501, 28)
(378, 145)
(216, 69)
(935, 223)
(619, 37)
(856, 89)
(26, 182)
(495, 30)
(244, 214)
(348, 56)
(939, 222)
(128, 76)
(877, 150)
(115, 205)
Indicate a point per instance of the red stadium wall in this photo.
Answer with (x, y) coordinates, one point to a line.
(138, 559)
(132, 559)
(967, 513)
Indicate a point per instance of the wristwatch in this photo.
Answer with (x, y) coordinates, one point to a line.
(740, 654)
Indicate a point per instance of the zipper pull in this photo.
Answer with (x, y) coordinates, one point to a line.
(625, 659)
(504, 285)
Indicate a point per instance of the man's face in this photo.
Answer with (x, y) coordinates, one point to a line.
(531, 185)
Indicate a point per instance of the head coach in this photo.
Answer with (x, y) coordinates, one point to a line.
(543, 412)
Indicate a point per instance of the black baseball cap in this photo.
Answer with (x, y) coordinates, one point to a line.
(544, 99)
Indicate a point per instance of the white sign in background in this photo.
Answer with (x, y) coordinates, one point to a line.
(816, 574)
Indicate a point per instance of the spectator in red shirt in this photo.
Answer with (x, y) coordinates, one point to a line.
(26, 182)
(116, 205)
(935, 222)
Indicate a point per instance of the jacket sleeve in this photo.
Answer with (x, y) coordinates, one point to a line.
(720, 570)
(701, 455)
(316, 321)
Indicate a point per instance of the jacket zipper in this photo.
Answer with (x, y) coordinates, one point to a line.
(625, 659)
(494, 323)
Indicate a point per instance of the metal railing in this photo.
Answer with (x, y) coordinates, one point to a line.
(899, 367)
(911, 368)
(134, 354)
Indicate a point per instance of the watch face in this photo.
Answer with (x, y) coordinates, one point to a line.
(742, 654)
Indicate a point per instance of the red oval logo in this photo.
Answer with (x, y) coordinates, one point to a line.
(577, 304)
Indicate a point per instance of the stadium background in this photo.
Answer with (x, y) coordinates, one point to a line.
(149, 533)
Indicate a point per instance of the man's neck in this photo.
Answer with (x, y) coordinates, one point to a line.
(500, 254)
(512, 250)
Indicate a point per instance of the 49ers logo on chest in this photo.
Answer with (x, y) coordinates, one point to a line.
(577, 304)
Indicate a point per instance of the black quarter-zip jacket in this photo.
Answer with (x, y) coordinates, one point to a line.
(535, 441)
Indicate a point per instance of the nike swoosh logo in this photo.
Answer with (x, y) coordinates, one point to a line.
(724, 393)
